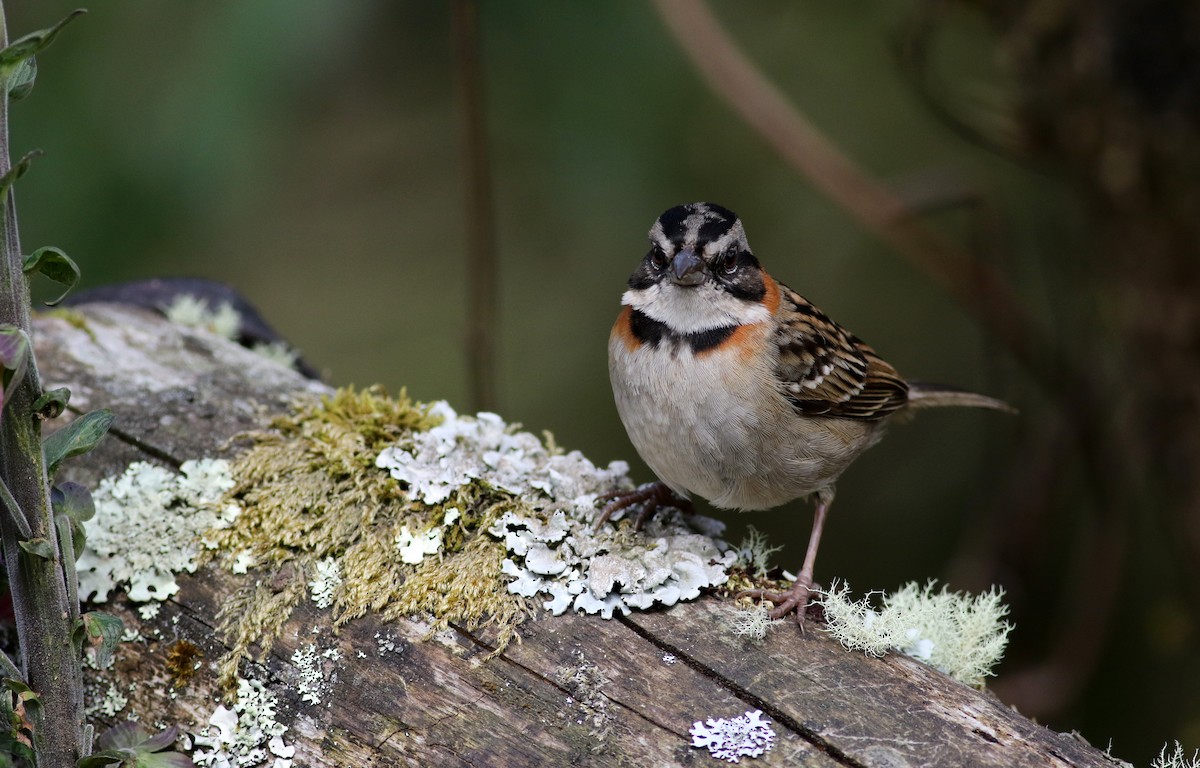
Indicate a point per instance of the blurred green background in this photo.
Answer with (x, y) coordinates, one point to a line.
(307, 152)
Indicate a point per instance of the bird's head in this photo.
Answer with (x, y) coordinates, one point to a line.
(699, 273)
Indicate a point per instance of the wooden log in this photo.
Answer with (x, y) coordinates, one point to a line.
(576, 690)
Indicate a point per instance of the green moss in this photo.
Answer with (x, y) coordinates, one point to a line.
(309, 489)
(72, 317)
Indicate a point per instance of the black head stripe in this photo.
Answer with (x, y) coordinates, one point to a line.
(672, 221)
(715, 227)
(714, 222)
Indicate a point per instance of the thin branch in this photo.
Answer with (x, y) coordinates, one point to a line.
(482, 268)
(976, 285)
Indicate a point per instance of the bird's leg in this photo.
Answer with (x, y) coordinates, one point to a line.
(650, 495)
(796, 598)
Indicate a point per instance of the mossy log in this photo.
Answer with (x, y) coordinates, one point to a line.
(575, 690)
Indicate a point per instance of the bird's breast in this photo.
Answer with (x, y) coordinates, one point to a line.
(714, 422)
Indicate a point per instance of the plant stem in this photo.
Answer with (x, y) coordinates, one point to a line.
(39, 592)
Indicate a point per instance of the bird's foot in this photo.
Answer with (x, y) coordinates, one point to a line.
(796, 600)
(650, 496)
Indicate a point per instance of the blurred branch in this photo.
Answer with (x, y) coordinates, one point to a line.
(975, 284)
(482, 268)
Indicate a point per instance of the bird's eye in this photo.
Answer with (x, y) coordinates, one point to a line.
(658, 259)
(729, 262)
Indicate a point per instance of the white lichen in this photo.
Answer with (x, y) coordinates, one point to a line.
(731, 740)
(194, 312)
(328, 579)
(246, 735)
(554, 550)
(1175, 759)
(961, 635)
(148, 527)
(107, 703)
(413, 547)
(464, 448)
(752, 623)
(601, 571)
(314, 684)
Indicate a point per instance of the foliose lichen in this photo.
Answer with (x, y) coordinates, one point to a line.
(732, 739)
(149, 525)
(552, 546)
(246, 735)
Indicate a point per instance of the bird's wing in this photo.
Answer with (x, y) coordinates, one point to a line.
(825, 370)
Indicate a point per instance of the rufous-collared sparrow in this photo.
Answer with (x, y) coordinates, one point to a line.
(734, 388)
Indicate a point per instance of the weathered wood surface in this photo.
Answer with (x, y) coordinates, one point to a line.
(577, 690)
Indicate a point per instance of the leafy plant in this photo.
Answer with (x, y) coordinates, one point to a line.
(41, 531)
(129, 745)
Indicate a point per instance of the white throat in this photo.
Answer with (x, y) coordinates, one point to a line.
(690, 310)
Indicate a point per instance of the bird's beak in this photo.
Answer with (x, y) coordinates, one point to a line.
(687, 268)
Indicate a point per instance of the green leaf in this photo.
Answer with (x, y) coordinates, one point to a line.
(30, 45)
(20, 83)
(52, 403)
(101, 759)
(18, 170)
(73, 500)
(15, 352)
(78, 437)
(126, 735)
(39, 547)
(56, 265)
(103, 632)
(135, 747)
(165, 760)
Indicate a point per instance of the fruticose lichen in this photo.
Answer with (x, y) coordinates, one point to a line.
(960, 635)
(225, 321)
(732, 739)
(752, 623)
(195, 312)
(1175, 759)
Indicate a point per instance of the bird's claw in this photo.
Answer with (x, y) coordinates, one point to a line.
(650, 495)
(796, 600)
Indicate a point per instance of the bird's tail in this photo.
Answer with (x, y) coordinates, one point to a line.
(923, 394)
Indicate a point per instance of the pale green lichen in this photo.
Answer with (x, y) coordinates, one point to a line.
(752, 623)
(246, 735)
(149, 525)
(754, 554)
(277, 352)
(194, 312)
(1176, 758)
(961, 635)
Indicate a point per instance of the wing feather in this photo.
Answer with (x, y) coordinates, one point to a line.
(824, 370)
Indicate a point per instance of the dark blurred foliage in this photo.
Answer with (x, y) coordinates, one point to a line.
(308, 153)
